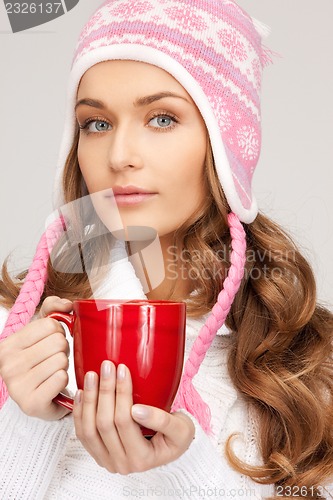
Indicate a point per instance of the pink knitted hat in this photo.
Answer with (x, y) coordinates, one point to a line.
(213, 48)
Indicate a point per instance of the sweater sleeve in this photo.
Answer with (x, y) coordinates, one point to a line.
(30, 451)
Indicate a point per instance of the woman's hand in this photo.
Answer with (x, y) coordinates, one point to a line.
(107, 424)
(34, 363)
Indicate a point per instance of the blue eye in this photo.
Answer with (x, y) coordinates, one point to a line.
(104, 125)
(164, 121)
(100, 126)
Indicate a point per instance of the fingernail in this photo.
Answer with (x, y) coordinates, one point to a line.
(106, 369)
(77, 398)
(89, 381)
(140, 412)
(121, 372)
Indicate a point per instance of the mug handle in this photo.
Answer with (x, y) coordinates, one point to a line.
(68, 319)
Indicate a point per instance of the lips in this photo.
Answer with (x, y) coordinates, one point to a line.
(129, 190)
(130, 195)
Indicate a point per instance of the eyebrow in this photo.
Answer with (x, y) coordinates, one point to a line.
(142, 101)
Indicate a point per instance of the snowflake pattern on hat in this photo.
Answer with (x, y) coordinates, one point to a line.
(214, 49)
(248, 142)
(232, 42)
(186, 19)
(130, 9)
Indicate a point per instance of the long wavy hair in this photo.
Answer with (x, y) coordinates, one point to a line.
(281, 354)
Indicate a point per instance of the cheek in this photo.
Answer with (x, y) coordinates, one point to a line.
(82, 157)
(192, 166)
(88, 162)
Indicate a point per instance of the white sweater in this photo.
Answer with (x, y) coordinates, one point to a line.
(45, 460)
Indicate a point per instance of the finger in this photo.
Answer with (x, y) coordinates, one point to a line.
(77, 413)
(39, 378)
(129, 431)
(52, 304)
(24, 361)
(46, 348)
(176, 427)
(43, 396)
(89, 404)
(84, 413)
(45, 370)
(34, 332)
(52, 386)
(86, 426)
(106, 409)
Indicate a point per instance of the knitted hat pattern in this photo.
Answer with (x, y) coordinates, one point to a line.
(214, 49)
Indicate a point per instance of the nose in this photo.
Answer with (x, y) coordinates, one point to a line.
(124, 150)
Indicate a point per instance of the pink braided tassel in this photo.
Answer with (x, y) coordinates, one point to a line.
(32, 289)
(187, 396)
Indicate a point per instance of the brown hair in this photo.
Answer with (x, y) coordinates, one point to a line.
(281, 355)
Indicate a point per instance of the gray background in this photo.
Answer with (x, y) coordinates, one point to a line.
(293, 182)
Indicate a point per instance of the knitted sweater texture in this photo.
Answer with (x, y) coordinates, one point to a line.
(45, 460)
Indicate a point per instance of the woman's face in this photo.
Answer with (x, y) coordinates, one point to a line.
(137, 138)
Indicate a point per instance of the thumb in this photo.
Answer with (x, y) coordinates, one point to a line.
(176, 427)
(54, 304)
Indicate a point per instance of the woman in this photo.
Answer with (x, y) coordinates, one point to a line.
(166, 101)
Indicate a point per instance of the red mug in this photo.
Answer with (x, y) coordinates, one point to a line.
(147, 336)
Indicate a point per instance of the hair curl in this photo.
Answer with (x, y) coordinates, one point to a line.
(281, 357)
